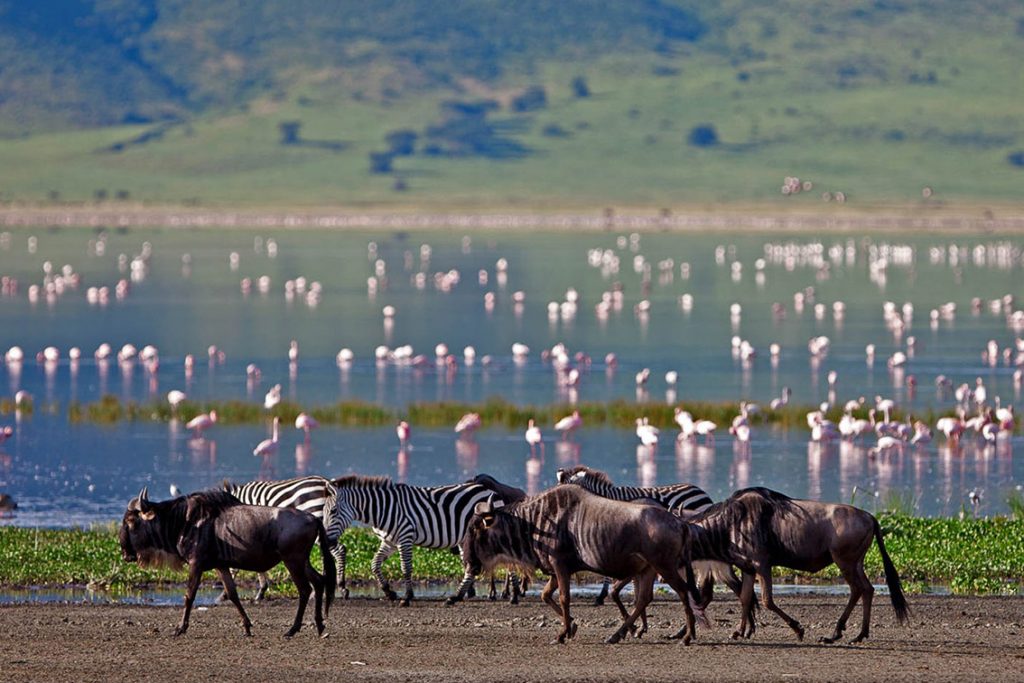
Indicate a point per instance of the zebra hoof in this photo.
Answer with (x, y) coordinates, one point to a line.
(344, 594)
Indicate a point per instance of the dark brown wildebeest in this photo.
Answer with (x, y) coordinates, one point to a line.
(568, 529)
(514, 586)
(757, 529)
(213, 530)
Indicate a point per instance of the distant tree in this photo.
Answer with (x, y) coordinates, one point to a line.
(553, 130)
(1016, 158)
(703, 135)
(289, 132)
(400, 185)
(580, 87)
(380, 162)
(122, 195)
(531, 99)
(53, 195)
(99, 195)
(401, 142)
(477, 110)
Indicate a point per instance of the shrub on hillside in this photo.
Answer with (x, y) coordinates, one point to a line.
(703, 135)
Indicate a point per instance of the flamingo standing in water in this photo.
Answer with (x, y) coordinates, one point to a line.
(533, 437)
(6, 432)
(176, 398)
(201, 423)
(306, 423)
(647, 432)
(404, 432)
(468, 424)
(569, 424)
(268, 447)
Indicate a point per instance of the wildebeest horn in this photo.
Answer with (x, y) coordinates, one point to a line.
(144, 498)
(485, 507)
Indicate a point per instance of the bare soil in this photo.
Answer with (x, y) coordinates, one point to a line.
(949, 639)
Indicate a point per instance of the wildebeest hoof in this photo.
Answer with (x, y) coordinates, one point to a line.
(450, 601)
(799, 633)
(613, 638)
(344, 594)
(572, 629)
(179, 631)
(404, 603)
(736, 635)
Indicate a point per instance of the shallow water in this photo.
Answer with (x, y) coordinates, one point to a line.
(186, 296)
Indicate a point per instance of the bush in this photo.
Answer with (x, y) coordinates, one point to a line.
(532, 98)
(703, 135)
(580, 87)
(1016, 158)
(380, 162)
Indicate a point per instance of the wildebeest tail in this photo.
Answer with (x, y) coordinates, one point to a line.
(892, 580)
(330, 568)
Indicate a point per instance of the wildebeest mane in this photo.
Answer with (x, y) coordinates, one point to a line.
(509, 494)
(208, 504)
(353, 480)
(596, 475)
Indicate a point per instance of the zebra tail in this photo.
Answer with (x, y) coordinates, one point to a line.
(330, 569)
(892, 579)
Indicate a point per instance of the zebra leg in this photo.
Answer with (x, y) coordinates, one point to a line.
(340, 552)
(405, 550)
(464, 587)
(513, 578)
(264, 585)
(385, 551)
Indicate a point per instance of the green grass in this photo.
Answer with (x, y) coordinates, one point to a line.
(869, 99)
(970, 556)
(495, 412)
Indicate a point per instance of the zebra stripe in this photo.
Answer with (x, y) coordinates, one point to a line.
(404, 516)
(315, 495)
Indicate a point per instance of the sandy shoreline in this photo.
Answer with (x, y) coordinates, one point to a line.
(950, 638)
(960, 219)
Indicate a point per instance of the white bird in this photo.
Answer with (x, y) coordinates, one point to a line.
(272, 397)
(176, 397)
(951, 427)
(533, 437)
(22, 399)
(685, 422)
(269, 447)
(885, 443)
(293, 351)
(174, 490)
(468, 424)
(569, 424)
(647, 433)
(201, 423)
(741, 432)
(642, 377)
(306, 423)
(345, 356)
(671, 377)
(404, 432)
(705, 428)
(922, 434)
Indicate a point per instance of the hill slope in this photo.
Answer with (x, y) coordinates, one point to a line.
(406, 102)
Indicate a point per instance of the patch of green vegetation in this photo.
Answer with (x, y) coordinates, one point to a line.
(970, 556)
(495, 412)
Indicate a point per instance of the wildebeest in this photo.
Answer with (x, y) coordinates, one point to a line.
(757, 529)
(514, 586)
(568, 529)
(213, 530)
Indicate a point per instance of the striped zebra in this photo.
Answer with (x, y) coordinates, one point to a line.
(682, 499)
(404, 516)
(315, 495)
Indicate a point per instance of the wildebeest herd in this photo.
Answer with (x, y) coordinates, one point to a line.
(585, 523)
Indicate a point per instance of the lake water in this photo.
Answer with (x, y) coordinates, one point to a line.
(184, 294)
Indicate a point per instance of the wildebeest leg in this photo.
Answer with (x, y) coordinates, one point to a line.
(340, 553)
(747, 625)
(548, 591)
(568, 627)
(194, 575)
(385, 551)
(599, 600)
(867, 595)
(297, 569)
(405, 550)
(492, 593)
(616, 594)
(764, 576)
(643, 586)
(319, 582)
(682, 589)
(232, 592)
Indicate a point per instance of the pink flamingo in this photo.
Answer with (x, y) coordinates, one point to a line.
(306, 423)
(569, 424)
(404, 432)
(268, 447)
(6, 432)
(468, 424)
(533, 437)
(201, 423)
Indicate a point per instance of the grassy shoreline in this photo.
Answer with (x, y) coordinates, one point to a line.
(983, 556)
(494, 412)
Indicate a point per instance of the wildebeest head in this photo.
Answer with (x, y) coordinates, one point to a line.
(144, 535)
(489, 539)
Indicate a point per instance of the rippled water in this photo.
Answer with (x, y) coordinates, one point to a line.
(185, 296)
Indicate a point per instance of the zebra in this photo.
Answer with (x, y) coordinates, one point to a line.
(682, 499)
(402, 516)
(315, 495)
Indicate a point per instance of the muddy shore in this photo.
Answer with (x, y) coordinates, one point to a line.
(949, 639)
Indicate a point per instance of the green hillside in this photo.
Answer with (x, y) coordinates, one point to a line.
(530, 105)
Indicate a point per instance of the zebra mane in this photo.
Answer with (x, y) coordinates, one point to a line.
(597, 475)
(353, 480)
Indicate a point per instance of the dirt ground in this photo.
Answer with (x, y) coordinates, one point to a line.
(950, 639)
